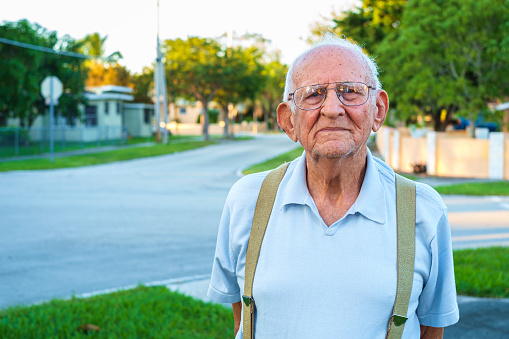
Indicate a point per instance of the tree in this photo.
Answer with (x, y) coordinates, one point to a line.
(243, 78)
(100, 73)
(103, 71)
(367, 24)
(272, 93)
(195, 69)
(22, 70)
(93, 44)
(143, 84)
(447, 57)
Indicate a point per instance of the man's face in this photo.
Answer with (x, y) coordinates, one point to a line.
(334, 130)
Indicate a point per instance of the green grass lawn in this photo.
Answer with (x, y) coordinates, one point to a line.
(477, 188)
(102, 157)
(156, 312)
(274, 162)
(482, 272)
(35, 148)
(144, 312)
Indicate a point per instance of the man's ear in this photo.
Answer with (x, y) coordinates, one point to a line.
(382, 106)
(286, 120)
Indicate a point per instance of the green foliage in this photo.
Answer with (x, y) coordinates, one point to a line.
(447, 56)
(274, 162)
(102, 71)
(213, 116)
(144, 312)
(93, 44)
(476, 188)
(143, 86)
(482, 272)
(272, 94)
(369, 23)
(195, 70)
(243, 75)
(22, 71)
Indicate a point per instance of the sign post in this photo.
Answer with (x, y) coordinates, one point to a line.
(51, 90)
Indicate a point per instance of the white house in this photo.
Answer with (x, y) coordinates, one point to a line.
(107, 116)
(138, 119)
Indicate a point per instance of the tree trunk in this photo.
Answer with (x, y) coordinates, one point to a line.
(205, 105)
(471, 117)
(226, 133)
(438, 125)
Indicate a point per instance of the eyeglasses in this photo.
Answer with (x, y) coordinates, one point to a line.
(312, 97)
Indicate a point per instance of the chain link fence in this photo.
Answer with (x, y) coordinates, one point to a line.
(33, 141)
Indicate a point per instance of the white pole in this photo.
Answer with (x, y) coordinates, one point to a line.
(160, 84)
(51, 123)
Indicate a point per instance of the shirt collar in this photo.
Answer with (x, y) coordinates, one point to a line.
(371, 199)
(296, 191)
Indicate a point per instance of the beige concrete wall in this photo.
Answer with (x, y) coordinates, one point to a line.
(196, 129)
(412, 151)
(191, 115)
(462, 157)
(389, 158)
(380, 140)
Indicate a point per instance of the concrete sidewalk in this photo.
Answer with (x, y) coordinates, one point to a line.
(479, 317)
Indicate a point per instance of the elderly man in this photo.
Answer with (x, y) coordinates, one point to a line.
(327, 264)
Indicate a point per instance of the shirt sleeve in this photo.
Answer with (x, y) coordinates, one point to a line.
(437, 304)
(223, 286)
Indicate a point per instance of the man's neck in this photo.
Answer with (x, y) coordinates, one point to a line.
(335, 183)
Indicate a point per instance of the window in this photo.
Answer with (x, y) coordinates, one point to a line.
(182, 110)
(147, 114)
(119, 107)
(91, 115)
(106, 107)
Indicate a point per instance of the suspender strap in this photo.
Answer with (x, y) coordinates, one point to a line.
(261, 217)
(405, 209)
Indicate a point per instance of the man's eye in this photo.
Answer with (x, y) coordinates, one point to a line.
(349, 90)
(314, 93)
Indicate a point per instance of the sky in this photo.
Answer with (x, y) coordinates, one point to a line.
(131, 25)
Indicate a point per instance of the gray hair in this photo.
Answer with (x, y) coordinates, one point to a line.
(331, 39)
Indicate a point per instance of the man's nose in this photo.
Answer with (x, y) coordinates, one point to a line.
(332, 106)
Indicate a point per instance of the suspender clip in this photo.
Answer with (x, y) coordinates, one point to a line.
(247, 300)
(399, 319)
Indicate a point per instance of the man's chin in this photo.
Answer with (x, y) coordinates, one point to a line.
(332, 154)
(335, 152)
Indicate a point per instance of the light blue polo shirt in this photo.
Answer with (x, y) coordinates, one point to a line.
(314, 281)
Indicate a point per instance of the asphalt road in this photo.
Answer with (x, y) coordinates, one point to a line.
(478, 221)
(75, 231)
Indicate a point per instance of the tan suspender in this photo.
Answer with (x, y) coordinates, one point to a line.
(405, 212)
(405, 206)
(260, 220)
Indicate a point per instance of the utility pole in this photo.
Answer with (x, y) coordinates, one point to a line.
(229, 45)
(161, 100)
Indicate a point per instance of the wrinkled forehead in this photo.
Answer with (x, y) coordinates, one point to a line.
(329, 64)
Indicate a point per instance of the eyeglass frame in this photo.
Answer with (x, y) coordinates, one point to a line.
(291, 96)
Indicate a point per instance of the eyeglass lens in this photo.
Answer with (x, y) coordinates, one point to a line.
(349, 93)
